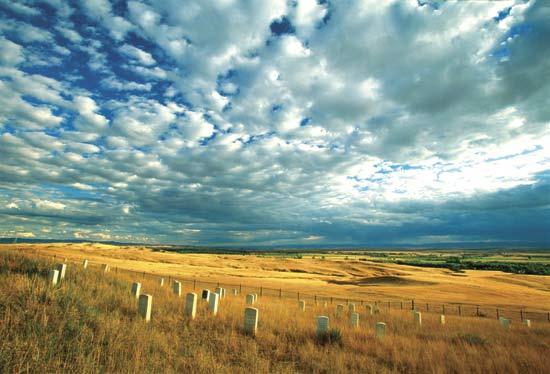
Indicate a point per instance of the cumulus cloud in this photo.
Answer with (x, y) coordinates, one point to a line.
(306, 122)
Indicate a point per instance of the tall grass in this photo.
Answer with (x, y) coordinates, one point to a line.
(89, 323)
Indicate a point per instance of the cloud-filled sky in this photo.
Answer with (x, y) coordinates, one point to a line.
(276, 123)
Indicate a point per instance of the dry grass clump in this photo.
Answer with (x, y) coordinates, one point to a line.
(89, 323)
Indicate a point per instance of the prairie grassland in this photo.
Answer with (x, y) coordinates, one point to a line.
(89, 323)
(335, 275)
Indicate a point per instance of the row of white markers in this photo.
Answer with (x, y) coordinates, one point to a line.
(145, 303)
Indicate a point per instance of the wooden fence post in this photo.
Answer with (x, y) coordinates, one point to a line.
(459, 310)
(412, 304)
(280, 293)
(194, 283)
(477, 311)
(498, 314)
(261, 291)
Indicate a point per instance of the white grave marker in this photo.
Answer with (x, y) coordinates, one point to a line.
(370, 309)
(52, 277)
(191, 305)
(250, 299)
(106, 268)
(85, 264)
(250, 321)
(161, 282)
(418, 317)
(235, 292)
(380, 329)
(136, 289)
(302, 305)
(213, 303)
(144, 306)
(322, 325)
(339, 310)
(354, 319)
(505, 322)
(442, 319)
(61, 268)
(255, 297)
(351, 307)
(176, 288)
(527, 323)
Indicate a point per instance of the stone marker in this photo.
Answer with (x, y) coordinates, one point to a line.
(250, 299)
(418, 317)
(52, 277)
(176, 288)
(136, 289)
(302, 305)
(380, 329)
(255, 297)
(527, 323)
(85, 264)
(351, 307)
(339, 310)
(190, 305)
(369, 309)
(161, 282)
(505, 322)
(354, 319)
(322, 325)
(223, 293)
(205, 295)
(106, 268)
(144, 306)
(213, 303)
(61, 268)
(235, 292)
(250, 320)
(442, 319)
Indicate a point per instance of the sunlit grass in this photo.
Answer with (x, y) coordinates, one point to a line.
(89, 323)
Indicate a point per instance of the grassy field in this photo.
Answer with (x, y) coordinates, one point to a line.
(89, 324)
(347, 275)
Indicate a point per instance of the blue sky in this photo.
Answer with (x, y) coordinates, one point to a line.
(276, 123)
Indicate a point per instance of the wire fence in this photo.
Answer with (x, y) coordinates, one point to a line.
(457, 309)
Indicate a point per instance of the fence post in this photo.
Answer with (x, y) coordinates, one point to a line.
(521, 313)
(548, 316)
(218, 284)
(412, 304)
(280, 293)
(443, 308)
(240, 288)
(315, 297)
(459, 310)
(143, 275)
(498, 314)
(194, 283)
(477, 311)
(548, 313)
(401, 304)
(427, 307)
(389, 304)
(261, 291)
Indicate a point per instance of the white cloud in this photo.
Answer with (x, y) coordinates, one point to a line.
(139, 55)
(10, 52)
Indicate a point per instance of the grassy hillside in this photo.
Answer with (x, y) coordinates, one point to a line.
(89, 323)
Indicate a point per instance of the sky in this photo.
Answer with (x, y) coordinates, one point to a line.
(276, 123)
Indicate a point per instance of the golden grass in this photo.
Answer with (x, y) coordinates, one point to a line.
(90, 324)
(330, 277)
